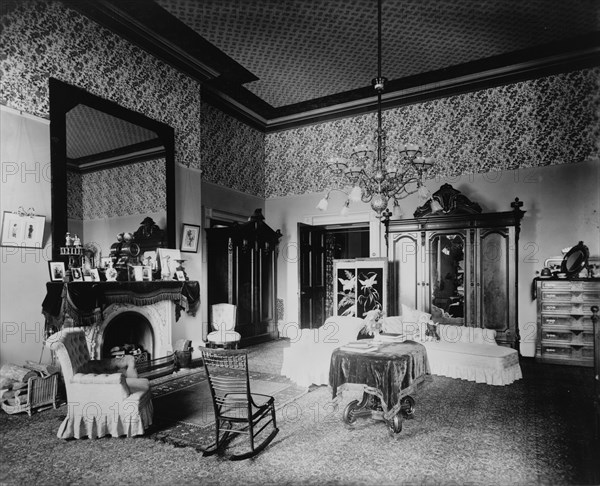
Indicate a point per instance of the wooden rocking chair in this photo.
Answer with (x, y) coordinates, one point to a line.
(234, 404)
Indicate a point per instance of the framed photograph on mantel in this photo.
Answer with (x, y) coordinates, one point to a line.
(359, 285)
(57, 271)
(190, 238)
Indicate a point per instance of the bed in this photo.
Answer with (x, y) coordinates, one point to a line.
(457, 352)
(306, 361)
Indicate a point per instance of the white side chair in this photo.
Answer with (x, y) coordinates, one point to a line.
(223, 321)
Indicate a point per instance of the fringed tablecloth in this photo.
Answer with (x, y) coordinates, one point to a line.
(391, 368)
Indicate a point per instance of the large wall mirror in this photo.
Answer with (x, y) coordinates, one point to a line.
(111, 168)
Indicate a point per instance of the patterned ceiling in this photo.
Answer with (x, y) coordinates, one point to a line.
(283, 63)
(305, 49)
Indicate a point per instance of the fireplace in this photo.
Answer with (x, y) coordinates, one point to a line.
(146, 325)
(128, 333)
(117, 313)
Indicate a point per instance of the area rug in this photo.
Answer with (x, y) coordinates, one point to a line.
(183, 410)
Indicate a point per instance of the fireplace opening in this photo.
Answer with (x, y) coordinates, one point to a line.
(128, 333)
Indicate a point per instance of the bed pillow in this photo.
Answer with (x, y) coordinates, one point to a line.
(340, 329)
(440, 316)
(413, 315)
(392, 324)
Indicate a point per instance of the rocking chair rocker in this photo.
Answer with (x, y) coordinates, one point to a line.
(235, 404)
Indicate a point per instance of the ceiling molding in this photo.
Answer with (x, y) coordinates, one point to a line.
(141, 152)
(441, 88)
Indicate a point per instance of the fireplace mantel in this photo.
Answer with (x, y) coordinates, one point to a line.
(85, 302)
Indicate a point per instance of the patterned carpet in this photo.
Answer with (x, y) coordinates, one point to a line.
(536, 431)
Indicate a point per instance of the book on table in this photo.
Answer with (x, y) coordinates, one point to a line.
(391, 337)
(360, 346)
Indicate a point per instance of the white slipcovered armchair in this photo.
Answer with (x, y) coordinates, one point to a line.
(104, 397)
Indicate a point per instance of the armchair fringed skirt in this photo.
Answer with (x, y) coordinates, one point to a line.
(94, 413)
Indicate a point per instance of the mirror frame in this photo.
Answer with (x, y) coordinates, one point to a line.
(574, 271)
(63, 97)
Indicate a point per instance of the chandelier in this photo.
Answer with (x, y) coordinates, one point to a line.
(375, 176)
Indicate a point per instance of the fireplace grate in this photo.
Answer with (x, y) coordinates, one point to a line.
(156, 367)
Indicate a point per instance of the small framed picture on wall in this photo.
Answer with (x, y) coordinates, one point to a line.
(190, 238)
(23, 230)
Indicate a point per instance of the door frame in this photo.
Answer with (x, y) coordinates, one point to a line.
(363, 224)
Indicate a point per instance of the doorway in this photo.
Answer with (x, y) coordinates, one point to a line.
(319, 246)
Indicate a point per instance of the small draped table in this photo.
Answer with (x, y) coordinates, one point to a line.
(390, 373)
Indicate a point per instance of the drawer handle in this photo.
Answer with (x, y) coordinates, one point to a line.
(551, 307)
(550, 350)
(551, 335)
(550, 321)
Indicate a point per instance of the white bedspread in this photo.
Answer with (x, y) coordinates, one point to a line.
(306, 361)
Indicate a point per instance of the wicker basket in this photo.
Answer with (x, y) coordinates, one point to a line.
(41, 390)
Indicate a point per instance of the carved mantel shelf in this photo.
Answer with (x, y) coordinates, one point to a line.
(85, 302)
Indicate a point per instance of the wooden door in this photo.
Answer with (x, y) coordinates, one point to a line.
(311, 275)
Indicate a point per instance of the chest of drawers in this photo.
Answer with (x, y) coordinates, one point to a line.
(564, 322)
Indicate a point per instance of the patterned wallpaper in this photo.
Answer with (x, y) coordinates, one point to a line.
(138, 188)
(42, 39)
(552, 120)
(74, 195)
(233, 154)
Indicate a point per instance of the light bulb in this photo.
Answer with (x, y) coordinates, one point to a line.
(355, 194)
(323, 203)
(423, 193)
(345, 210)
(397, 212)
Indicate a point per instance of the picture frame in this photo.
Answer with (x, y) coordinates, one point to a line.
(150, 258)
(180, 275)
(105, 262)
(190, 238)
(146, 273)
(92, 276)
(77, 274)
(359, 285)
(22, 230)
(167, 259)
(57, 271)
(137, 273)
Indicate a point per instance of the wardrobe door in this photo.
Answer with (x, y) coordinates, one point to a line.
(495, 283)
(447, 252)
(407, 271)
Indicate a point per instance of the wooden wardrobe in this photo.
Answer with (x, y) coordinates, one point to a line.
(456, 260)
(242, 270)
